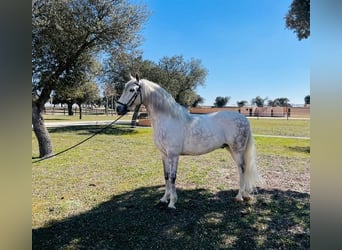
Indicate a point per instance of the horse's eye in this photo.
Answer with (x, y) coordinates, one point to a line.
(131, 90)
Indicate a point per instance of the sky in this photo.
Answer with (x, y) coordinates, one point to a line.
(243, 44)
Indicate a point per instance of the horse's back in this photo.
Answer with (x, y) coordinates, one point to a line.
(234, 126)
(205, 133)
(226, 119)
(229, 115)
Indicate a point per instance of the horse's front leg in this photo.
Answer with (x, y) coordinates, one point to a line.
(166, 197)
(170, 164)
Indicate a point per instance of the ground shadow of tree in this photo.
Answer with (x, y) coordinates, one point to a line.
(91, 129)
(56, 119)
(203, 220)
(300, 149)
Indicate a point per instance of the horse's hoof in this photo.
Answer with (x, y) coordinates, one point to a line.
(161, 205)
(172, 205)
(247, 198)
(171, 210)
(238, 199)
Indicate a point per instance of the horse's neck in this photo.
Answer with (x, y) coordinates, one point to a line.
(161, 104)
(151, 95)
(151, 109)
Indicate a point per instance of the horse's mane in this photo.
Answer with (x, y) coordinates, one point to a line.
(162, 101)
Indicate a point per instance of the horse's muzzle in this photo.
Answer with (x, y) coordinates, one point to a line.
(121, 109)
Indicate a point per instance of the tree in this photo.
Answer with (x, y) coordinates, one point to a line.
(271, 103)
(71, 87)
(87, 93)
(66, 36)
(241, 103)
(258, 101)
(181, 77)
(280, 102)
(109, 93)
(65, 96)
(221, 101)
(198, 100)
(307, 100)
(178, 76)
(298, 18)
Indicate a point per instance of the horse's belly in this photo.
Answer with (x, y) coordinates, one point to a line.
(199, 149)
(201, 141)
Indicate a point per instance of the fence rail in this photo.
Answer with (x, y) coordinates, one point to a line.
(285, 112)
(297, 112)
(75, 110)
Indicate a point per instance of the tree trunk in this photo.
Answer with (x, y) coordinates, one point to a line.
(135, 116)
(112, 104)
(40, 130)
(106, 107)
(79, 105)
(70, 112)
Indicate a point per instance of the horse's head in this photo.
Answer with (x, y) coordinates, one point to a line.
(129, 98)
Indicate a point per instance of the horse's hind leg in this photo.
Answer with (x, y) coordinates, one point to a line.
(239, 159)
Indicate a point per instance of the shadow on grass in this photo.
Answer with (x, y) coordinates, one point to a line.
(203, 220)
(300, 149)
(91, 129)
(56, 119)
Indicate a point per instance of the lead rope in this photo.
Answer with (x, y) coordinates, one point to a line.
(81, 142)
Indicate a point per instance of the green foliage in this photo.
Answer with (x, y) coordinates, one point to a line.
(88, 93)
(67, 35)
(197, 101)
(85, 93)
(181, 77)
(258, 101)
(67, 38)
(178, 76)
(221, 101)
(307, 99)
(298, 18)
(241, 103)
(279, 102)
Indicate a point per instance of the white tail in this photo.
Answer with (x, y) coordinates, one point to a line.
(251, 174)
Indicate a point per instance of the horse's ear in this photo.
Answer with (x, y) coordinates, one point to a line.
(137, 77)
(130, 76)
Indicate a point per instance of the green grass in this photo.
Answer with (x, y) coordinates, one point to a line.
(281, 127)
(286, 147)
(262, 126)
(102, 195)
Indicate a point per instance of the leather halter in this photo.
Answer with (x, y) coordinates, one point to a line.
(133, 98)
